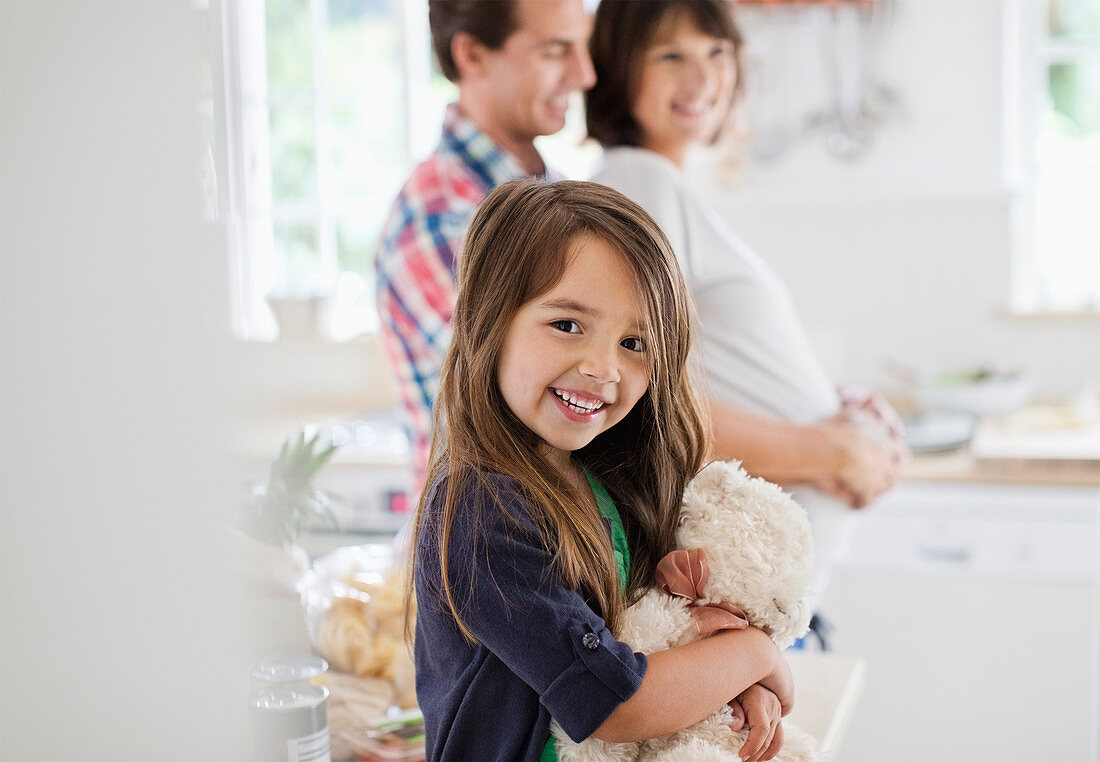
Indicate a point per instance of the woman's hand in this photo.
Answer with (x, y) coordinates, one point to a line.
(873, 404)
(868, 459)
(760, 710)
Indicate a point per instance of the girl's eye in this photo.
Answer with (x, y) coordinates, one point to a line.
(670, 56)
(634, 344)
(566, 326)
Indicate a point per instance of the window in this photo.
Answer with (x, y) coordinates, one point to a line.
(318, 111)
(1057, 267)
(327, 104)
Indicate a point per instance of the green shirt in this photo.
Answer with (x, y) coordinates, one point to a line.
(622, 561)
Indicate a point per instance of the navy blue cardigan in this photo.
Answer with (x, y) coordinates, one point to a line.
(542, 652)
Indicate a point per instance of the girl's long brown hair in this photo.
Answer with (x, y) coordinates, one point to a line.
(517, 248)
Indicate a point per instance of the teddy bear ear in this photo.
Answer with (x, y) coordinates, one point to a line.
(719, 472)
(733, 473)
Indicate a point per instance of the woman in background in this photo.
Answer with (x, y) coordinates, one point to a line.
(667, 76)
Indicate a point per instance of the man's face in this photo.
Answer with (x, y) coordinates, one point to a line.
(540, 64)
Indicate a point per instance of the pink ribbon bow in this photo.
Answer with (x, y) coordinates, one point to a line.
(683, 573)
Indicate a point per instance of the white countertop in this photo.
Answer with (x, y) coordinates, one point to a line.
(827, 691)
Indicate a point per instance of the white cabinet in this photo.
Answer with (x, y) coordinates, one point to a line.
(976, 609)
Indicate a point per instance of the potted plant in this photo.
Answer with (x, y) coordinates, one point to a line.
(273, 564)
(289, 502)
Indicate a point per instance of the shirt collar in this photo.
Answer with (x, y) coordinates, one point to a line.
(488, 160)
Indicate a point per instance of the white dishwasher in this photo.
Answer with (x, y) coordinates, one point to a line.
(977, 608)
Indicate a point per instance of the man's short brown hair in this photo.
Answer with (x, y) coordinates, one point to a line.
(490, 22)
(623, 30)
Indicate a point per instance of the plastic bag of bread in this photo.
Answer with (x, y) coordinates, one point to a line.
(362, 630)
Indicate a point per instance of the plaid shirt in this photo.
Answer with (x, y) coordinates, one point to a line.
(416, 264)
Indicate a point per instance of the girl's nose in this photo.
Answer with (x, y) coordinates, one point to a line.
(600, 367)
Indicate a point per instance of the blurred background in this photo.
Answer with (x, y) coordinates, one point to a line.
(191, 195)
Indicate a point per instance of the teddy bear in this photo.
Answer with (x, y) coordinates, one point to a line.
(758, 552)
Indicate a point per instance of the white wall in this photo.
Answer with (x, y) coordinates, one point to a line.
(118, 635)
(905, 253)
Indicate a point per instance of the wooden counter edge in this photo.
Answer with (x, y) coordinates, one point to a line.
(961, 466)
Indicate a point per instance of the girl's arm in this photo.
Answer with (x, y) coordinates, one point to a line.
(835, 455)
(683, 685)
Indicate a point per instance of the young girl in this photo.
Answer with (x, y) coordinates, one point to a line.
(567, 428)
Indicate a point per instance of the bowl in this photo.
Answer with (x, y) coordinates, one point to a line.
(300, 315)
(981, 393)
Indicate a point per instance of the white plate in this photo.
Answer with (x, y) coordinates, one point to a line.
(938, 432)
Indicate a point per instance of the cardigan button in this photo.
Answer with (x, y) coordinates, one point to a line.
(591, 641)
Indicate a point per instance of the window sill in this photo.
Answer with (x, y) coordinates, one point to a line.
(311, 339)
(311, 377)
(1048, 315)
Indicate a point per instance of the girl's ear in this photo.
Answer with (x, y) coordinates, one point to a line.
(468, 54)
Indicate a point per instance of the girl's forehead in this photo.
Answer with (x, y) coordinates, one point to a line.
(599, 270)
(591, 250)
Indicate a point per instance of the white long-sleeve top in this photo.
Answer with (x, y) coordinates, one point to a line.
(752, 343)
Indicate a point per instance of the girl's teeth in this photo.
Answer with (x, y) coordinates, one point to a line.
(576, 405)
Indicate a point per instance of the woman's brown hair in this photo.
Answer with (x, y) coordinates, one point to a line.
(517, 248)
(622, 32)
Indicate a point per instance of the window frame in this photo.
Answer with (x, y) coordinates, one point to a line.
(1028, 52)
(242, 109)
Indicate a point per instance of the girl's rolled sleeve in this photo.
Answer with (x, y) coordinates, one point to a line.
(604, 673)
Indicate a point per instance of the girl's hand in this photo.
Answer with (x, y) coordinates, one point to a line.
(738, 720)
(780, 682)
(760, 710)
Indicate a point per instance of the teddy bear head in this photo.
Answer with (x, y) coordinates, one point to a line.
(758, 546)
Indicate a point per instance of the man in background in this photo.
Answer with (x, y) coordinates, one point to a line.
(516, 63)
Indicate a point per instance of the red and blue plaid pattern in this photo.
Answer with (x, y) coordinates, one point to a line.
(416, 264)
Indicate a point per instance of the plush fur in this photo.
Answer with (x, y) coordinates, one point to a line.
(760, 553)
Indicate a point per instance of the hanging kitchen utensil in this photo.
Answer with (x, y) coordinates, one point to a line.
(850, 36)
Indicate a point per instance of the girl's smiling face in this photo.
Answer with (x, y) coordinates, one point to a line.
(573, 360)
(687, 81)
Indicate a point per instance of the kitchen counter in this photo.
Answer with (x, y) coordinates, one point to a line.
(827, 690)
(962, 466)
(936, 593)
(1041, 444)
